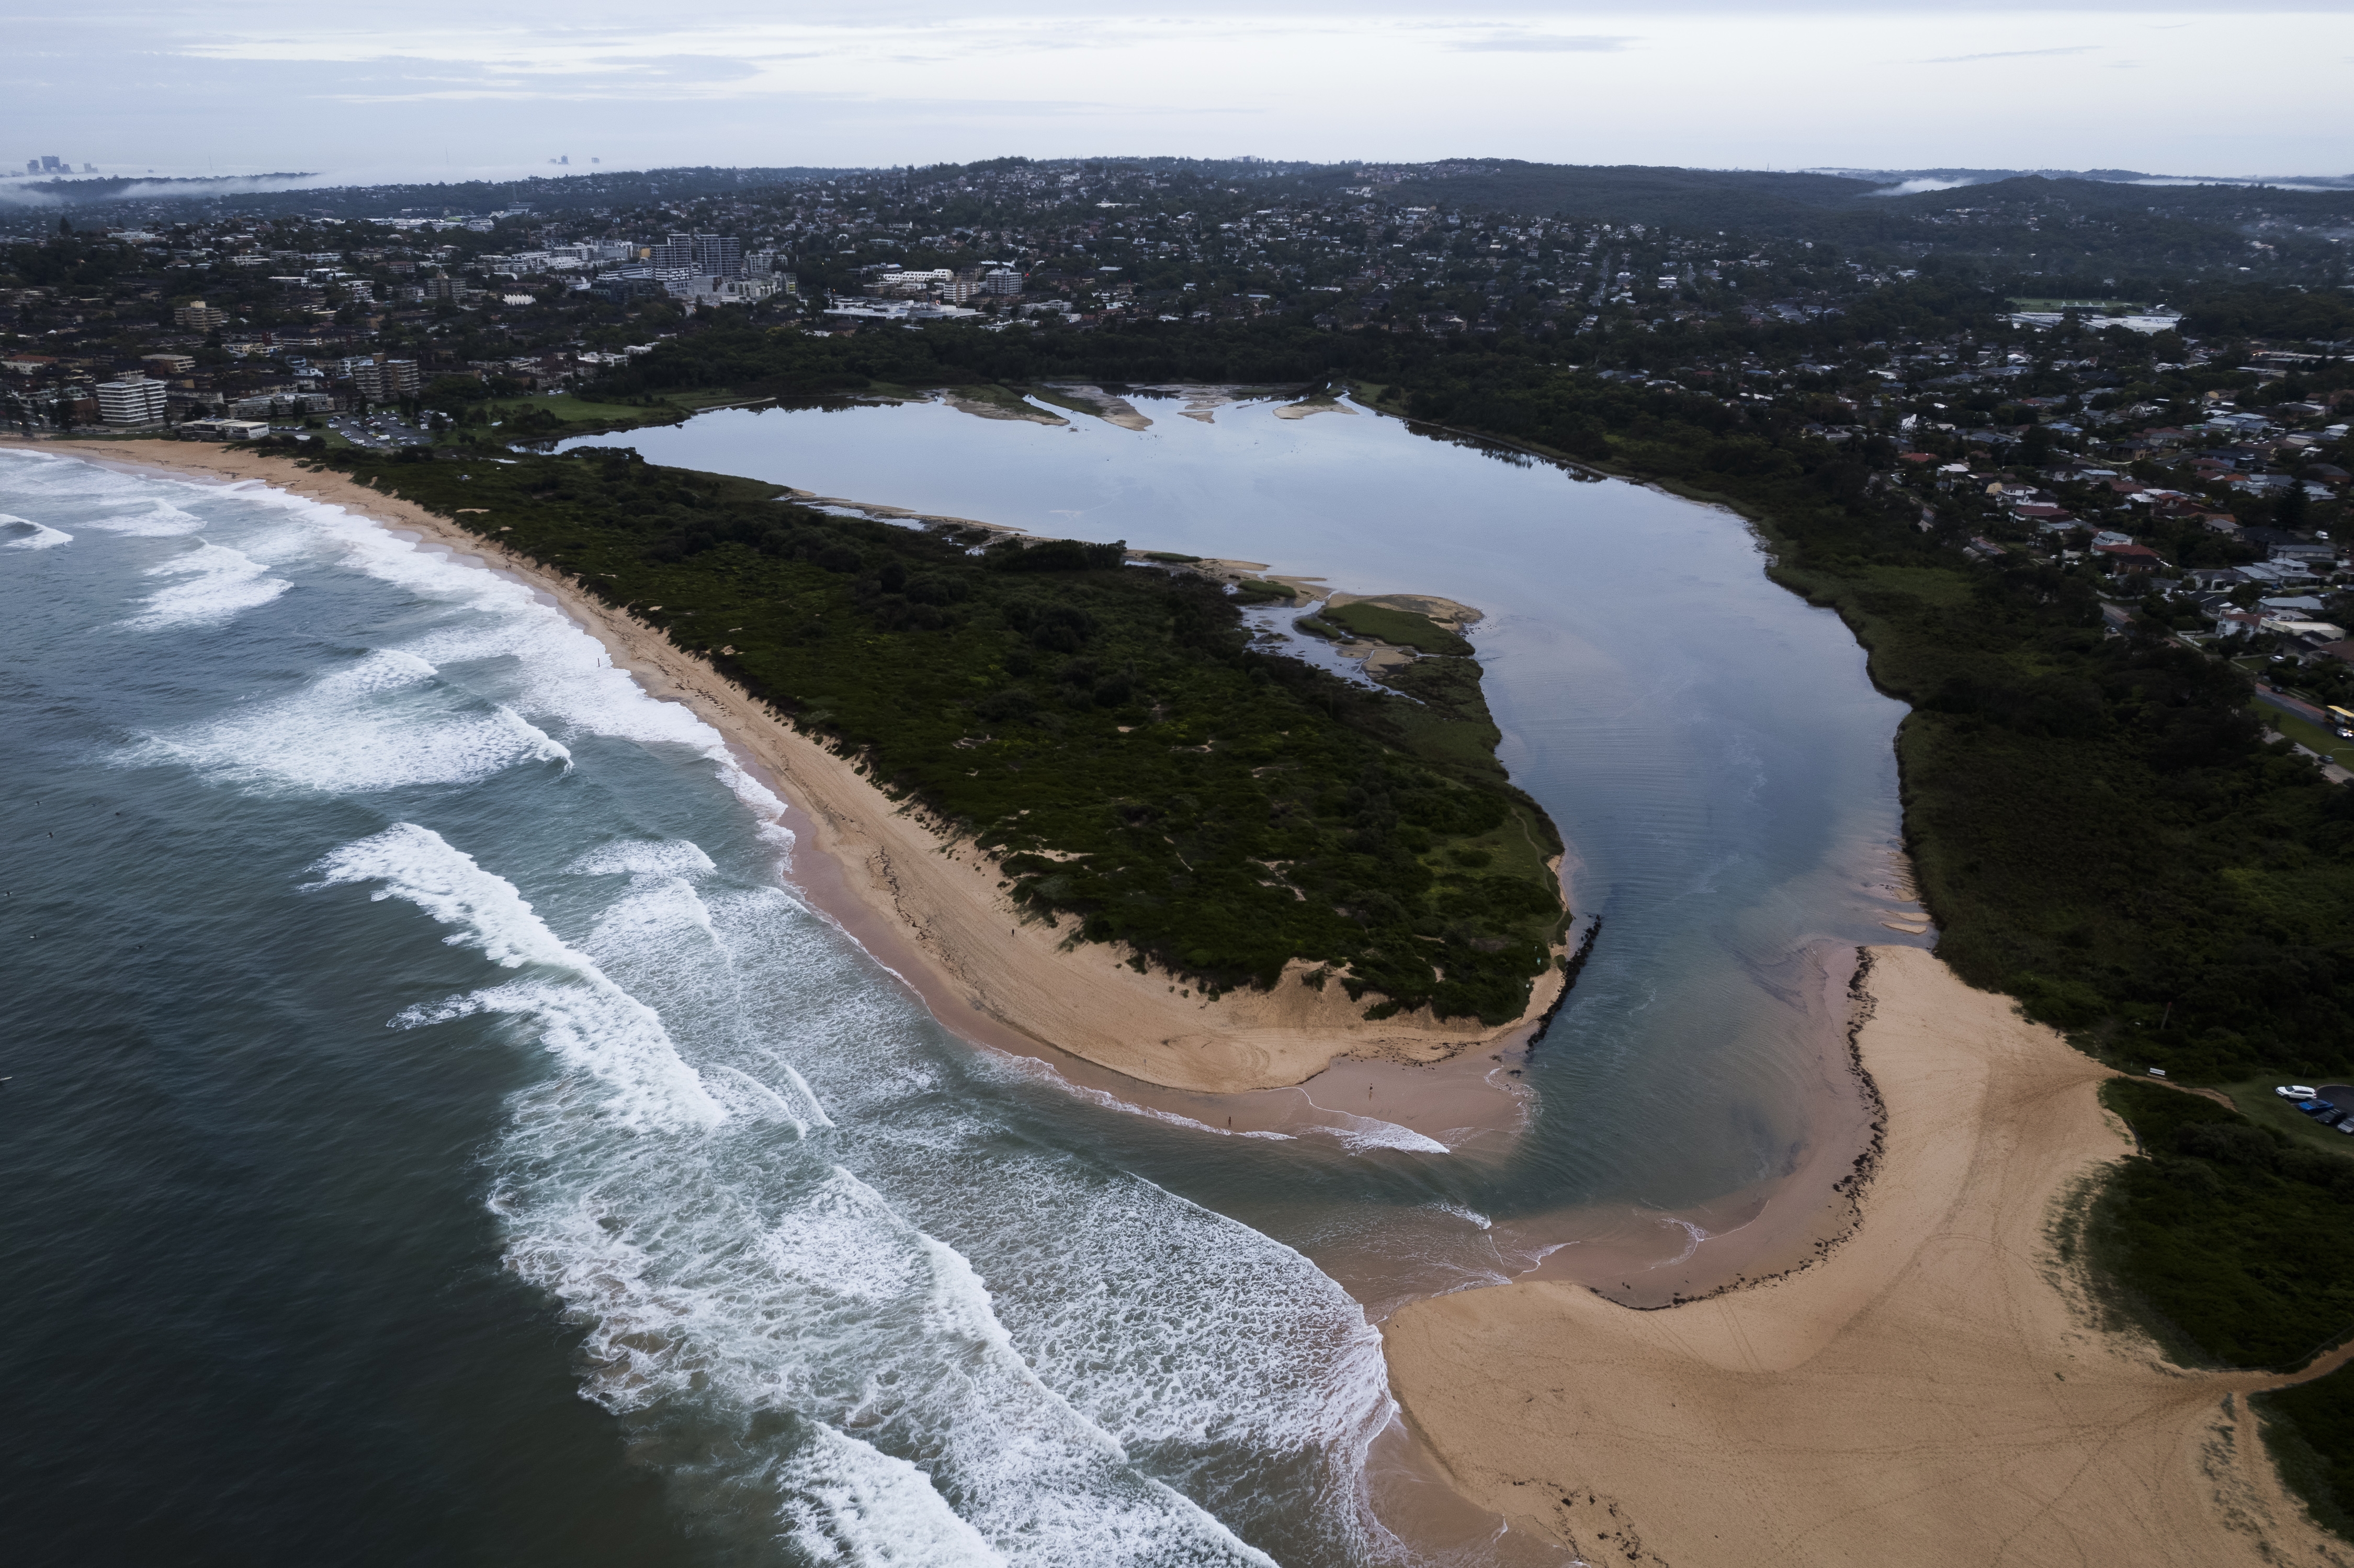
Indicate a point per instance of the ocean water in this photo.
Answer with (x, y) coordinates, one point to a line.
(438, 1134)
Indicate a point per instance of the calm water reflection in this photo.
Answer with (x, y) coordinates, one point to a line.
(1708, 744)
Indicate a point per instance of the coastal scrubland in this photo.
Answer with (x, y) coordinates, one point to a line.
(2221, 1237)
(1104, 730)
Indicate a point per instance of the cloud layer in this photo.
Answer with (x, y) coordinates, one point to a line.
(1886, 83)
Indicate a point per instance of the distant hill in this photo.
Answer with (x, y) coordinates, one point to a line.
(2107, 176)
(289, 195)
(1630, 193)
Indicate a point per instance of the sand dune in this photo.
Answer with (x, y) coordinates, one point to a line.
(1940, 1390)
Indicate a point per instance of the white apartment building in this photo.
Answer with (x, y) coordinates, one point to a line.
(134, 400)
(381, 381)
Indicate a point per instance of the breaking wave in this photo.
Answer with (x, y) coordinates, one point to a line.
(219, 584)
(849, 1286)
(27, 535)
(384, 721)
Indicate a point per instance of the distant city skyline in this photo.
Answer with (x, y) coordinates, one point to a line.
(435, 89)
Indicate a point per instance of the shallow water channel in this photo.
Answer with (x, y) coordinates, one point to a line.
(1708, 744)
(452, 1139)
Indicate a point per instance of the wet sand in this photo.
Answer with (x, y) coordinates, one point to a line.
(1792, 1220)
(1111, 408)
(1939, 1389)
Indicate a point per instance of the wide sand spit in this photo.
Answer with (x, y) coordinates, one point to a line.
(923, 902)
(1943, 1388)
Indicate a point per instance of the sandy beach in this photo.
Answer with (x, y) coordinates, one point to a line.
(1940, 1389)
(1934, 1387)
(929, 907)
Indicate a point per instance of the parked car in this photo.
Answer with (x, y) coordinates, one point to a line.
(2316, 1107)
(2296, 1091)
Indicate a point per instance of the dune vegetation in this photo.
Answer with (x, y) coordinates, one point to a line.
(1102, 728)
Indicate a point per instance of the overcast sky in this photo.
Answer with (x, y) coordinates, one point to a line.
(419, 87)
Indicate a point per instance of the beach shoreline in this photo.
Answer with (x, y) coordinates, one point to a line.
(1788, 1220)
(926, 906)
(1941, 1378)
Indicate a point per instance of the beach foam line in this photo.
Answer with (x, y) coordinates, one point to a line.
(846, 1501)
(1359, 1134)
(1185, 1337)
(1031, 1067)
(554, 668)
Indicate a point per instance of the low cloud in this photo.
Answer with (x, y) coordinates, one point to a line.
(1914, 188)
(2010, 55)
(1546, 44)
(249, 184)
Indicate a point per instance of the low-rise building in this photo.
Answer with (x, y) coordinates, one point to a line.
(225, 430)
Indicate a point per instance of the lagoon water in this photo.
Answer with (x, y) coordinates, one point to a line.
(439, 1133)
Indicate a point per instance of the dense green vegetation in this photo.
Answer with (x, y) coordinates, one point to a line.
(734, 352)
(2225, 1238)
(1401, 627)
(2094, 821)
(2310, 1431)
(2227, 1233)
(1103, 729)
(2097, 827)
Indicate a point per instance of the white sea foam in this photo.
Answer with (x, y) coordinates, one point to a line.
(1359, 1133)
(383, 721)
(727, 1272)
(1134, 1365)
(153, 517)
(26, 534)
(644, 857)
(589, 1022)
(849, 1503)
(549, 666)
(1693, 1236)
(841, 1311)
(1031, 1067)
(221, 582)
